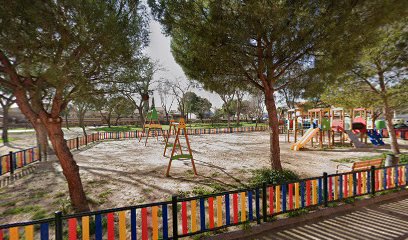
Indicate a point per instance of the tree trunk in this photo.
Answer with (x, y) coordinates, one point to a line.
(390, 127)
(141, 117)
(229, 120)
(66, 121)
(4, 134)
(42, 139)
(274, 129)
(388, 113)
(81, 122)
(69, 167)
(238, 112)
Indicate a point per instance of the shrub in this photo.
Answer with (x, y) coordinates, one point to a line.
(270, 176)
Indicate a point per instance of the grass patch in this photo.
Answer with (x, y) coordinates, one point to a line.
(9, 140)
(118, 129)
(403, 158)
(20, 210)
(37, 195)
(103, 196)
(8, 204)
(40, 214)
(270, 176)
(297, 212)
(189, 125)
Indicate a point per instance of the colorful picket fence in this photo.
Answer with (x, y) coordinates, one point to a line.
(19, 159)
(183, 217)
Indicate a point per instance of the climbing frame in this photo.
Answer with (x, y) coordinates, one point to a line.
(181, 131)
(152, 123)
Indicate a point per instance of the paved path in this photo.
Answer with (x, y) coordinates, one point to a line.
(384, 221)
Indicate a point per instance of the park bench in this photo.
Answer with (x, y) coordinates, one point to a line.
(363, 165)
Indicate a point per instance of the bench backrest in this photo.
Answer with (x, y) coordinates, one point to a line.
(357, 166)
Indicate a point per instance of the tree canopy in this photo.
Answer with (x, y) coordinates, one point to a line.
(53, 51)
(255, 43)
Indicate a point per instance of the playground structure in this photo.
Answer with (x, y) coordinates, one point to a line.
(152, 125)
(181, 131)
(356, 125)
(296, 123)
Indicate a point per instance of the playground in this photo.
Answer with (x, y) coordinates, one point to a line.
(125, 172)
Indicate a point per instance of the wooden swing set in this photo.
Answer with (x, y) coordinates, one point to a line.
(180, 130)
(152, 124)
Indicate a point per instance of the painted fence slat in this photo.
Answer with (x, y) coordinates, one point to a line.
(227, 209)
(278, 199)
(219, 211)
(29, 232)
(184, 222)
(271, 198)
(330, 190)
(98, 227)
(44, 231)
(297, 199)
(145, 229)
(165, 222)
(235, 206)
(319, 191)
(122, 225)
(308, 193)
(111, 226)
(202, 214)
(302, 194)
(290, 196)
(13, 233)
(72, 229)
(250, 207)
(193, 204)
(345, 184)
(155, 223)
(385, 179)
(283, 197)
(243, 207)
(133, 229)
(314, 191)
(211, 212)
(85, 228)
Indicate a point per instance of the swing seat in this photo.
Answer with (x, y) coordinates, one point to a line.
(154, 126)
(181, 156)
(171, 145)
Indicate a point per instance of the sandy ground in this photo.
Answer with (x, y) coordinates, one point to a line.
(125, 172)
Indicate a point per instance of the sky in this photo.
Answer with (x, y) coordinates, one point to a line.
(159, 50)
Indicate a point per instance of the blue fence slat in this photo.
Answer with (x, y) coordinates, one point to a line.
(385, 178)
(341, 187)
(354, 184)
(257, 200)
(202, 214)
(133, 229)
(283, 197)
(98, 227)
(250, 209)
(396, 176)
(368, 182)
(165, 222)
(44, 231)
(227, 210)
(319, 191)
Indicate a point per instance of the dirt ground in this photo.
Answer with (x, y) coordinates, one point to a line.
(125, 172)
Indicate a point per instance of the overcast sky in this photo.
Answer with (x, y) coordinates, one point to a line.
(159, 50)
